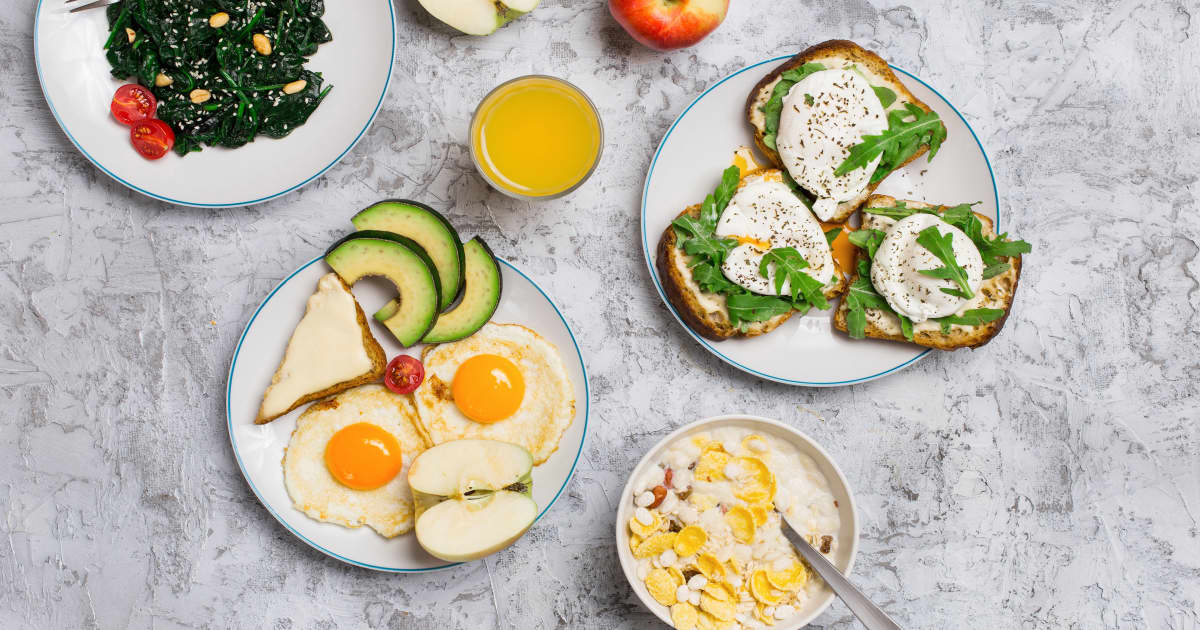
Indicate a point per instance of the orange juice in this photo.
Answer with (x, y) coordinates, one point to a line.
(536, 136)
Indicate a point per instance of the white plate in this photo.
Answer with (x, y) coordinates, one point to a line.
(804, 350)
(259, 448)
(843, 559)
(69, 52)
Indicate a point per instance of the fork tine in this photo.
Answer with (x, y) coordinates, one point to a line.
(95, 4)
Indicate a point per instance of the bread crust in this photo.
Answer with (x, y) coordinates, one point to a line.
(374, 352)
(851, 53)
(683, 293)
(1001, 288)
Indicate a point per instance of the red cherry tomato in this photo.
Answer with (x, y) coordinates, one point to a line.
(152, 138)
(132, 103)
(403, 374)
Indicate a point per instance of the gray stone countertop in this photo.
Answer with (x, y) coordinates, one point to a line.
(1050, 480)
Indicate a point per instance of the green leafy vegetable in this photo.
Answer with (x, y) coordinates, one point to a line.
(774, 105)
(173, 38)
(886, 95)
(900, 211)
(941, 246)
(748, 307)
(991, 271)
(899, 142)
(710, 279)
(973, 317)
(789, 265)
(859, 298)
(867, 239)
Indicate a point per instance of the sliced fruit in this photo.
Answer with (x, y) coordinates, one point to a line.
(404, 263)
(478, 17)
(430, 230)
(472, 497)
(481, 296)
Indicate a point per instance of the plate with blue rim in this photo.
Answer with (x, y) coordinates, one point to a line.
(805, 350)
(259, 449)
(78, 86)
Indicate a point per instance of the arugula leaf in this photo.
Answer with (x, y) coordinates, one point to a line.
(902, 139)
(999, 247)
(713, 248)
(973, 317)
(710, 279)
(748, 307)
(832, 235)
(714, 204)
(886, 96)
(991, 271)
(804, 196)
(774, 105)
(861, 297)
(688, 226)
(899, 211)
(941, 246)
(906, 327)
(789, 264)
(869, 240)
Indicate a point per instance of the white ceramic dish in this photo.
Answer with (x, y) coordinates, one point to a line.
(75, 78)
(847, 512)
(687, 166)
(259, 448)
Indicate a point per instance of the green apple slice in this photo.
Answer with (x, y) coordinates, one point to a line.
(472, 497)
(478, 17)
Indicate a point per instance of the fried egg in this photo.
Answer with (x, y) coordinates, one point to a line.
(504, 383)
(348, 458)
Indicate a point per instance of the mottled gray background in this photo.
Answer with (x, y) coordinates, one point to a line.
(1050, 480)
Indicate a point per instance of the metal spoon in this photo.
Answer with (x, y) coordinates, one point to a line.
(867, 612)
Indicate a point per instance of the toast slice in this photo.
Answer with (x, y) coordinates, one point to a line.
(705, 312)
(330, 351)
(995, 292)
(833, 54)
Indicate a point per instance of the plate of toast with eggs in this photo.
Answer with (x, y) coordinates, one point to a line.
(826, 218)
(407, 401)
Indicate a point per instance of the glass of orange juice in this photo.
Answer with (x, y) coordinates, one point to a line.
(536, 137)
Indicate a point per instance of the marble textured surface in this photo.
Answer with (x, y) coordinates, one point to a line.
(1051, 480)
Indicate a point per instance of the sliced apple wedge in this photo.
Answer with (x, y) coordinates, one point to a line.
(472, 497)
(478, 17)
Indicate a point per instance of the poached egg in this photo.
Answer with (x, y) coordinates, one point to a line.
(824, 115)
(895, 270)
(765, 214)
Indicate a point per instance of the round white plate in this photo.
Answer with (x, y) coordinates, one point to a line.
(843, 559)
(69, 52)
(259, 448)
(804, 350)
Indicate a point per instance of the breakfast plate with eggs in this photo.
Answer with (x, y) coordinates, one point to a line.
(449, 451)
(772, 194)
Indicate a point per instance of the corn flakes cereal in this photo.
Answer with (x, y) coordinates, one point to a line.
(719, 609)
(689, 540)
(684, 616)
(741, 522)
(661, 586)
(655, 545)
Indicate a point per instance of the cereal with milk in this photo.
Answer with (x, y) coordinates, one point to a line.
(707, 536)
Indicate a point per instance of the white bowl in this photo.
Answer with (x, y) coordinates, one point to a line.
(843, 558)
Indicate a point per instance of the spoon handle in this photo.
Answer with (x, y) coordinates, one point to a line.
(867, 612)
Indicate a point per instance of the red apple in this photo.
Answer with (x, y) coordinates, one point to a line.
(669, 24)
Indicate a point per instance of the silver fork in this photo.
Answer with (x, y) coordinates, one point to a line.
(84, 5)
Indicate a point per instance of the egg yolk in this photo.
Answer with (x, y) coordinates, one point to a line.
(363, 456)
(843, 250)
(488, 388)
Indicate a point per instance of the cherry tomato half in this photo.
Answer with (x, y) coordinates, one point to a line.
(152, 138)
(132, 103)
(404, 374)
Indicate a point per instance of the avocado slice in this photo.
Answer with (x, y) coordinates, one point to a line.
(405, 264)
(480, 297)
(430, 230)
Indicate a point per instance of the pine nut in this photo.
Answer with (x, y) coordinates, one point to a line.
(163, 80)
(199, 96)
(130, 34)
(262, 44)
(218, 19)
(295, 86)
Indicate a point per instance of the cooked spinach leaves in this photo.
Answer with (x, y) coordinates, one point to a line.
(175, 51)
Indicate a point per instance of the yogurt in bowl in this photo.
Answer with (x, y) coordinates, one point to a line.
(699, 527)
